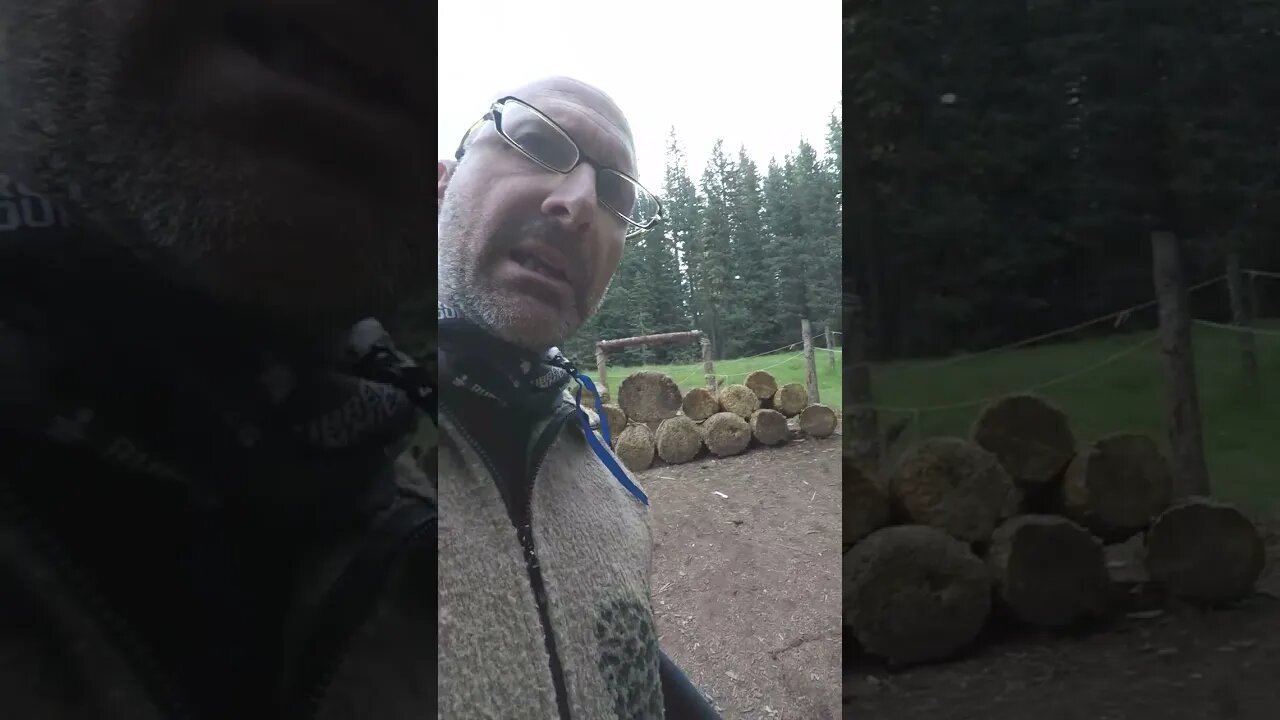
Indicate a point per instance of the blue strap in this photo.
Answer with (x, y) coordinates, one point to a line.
(601, 451)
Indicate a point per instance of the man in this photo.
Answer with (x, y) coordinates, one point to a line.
(204, 512)
(544, 540)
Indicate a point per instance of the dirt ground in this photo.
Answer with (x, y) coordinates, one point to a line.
(1179, 665)
(747, 586)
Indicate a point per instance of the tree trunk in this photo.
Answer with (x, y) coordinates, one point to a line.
(810, 367)
(1240, 317)
(1191, 474)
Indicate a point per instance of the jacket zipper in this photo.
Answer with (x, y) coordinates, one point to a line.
(541, 446)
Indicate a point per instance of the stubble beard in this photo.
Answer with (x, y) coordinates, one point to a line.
(464, 284)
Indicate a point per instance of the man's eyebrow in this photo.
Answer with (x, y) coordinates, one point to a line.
(618, 154)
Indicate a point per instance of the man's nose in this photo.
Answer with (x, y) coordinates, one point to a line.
(573, 201)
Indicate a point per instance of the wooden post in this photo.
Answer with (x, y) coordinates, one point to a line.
(831, 346)
(857, 373)
(601, 373)
(1255, 307)
(810, 368)
(1190, 473)
(1241, 318)
(708, 367)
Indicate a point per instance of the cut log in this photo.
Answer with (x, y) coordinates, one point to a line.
(649, 397)
(914, 594)
(1031, 437)
(587, 398)
(635, 447)
(678, 440)
(864, 504)
(726, 434)
(1117, 486)
(769, 427)
(617, 420)
(700, 404)
(739, 400)
(763, 384)
(818, 421)
(955, 485)
(1047, 570)
(1205, 552)
(791, 399)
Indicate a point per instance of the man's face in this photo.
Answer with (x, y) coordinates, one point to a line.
(275, 148)
(526, 251)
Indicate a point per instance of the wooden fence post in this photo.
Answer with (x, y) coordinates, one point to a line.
(810, 368)
(857, 373)
(708, 367)
(1186, 441)
(831, 346)
(1242, 318)
(601, 372)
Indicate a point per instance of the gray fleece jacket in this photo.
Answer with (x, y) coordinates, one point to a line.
(589, 564)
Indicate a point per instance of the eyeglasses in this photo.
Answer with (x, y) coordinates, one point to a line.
(540, 139)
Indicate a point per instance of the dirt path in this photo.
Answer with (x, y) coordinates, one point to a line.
(747, 588)
(1184, 665)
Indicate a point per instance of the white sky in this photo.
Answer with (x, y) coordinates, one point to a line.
(763, 75)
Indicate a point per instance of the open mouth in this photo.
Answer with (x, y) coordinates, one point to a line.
(289, 50)
(531, 262)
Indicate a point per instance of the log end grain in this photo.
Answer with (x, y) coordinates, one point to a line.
(952, 484)
(635, 447)
(769, 427)
(617, 420)
(791, 399)
(763, 384)
(726, 434)
(1117, 486)
(678, 440)
(1032, 437)
(1048, 571)
(914, 594)
(739, 400)
(649, 397)
(818, 421)
(700, 404)
(1205, 552)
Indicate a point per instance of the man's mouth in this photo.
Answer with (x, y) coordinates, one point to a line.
(529, 261)
(290, 50)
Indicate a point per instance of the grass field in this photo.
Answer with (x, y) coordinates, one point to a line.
(1241, 431)
(786, 367)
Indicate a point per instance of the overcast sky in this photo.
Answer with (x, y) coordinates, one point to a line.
(763, 75)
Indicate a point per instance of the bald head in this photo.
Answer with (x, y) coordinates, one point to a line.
(525, 250)
(568, 90)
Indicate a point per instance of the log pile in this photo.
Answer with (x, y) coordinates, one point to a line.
(652, 421)
(1020, 525)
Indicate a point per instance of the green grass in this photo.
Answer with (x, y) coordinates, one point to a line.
(786, 367)
(1241, 431)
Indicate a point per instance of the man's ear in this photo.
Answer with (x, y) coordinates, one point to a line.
(444, 172)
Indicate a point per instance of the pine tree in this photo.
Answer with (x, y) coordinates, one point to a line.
(715, 261)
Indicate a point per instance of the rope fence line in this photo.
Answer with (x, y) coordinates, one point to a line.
(786, 360)
(977, 402)
(1262, 273)
(1117, 315)
(1236, 328)
(767, 367)
(698, 370)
